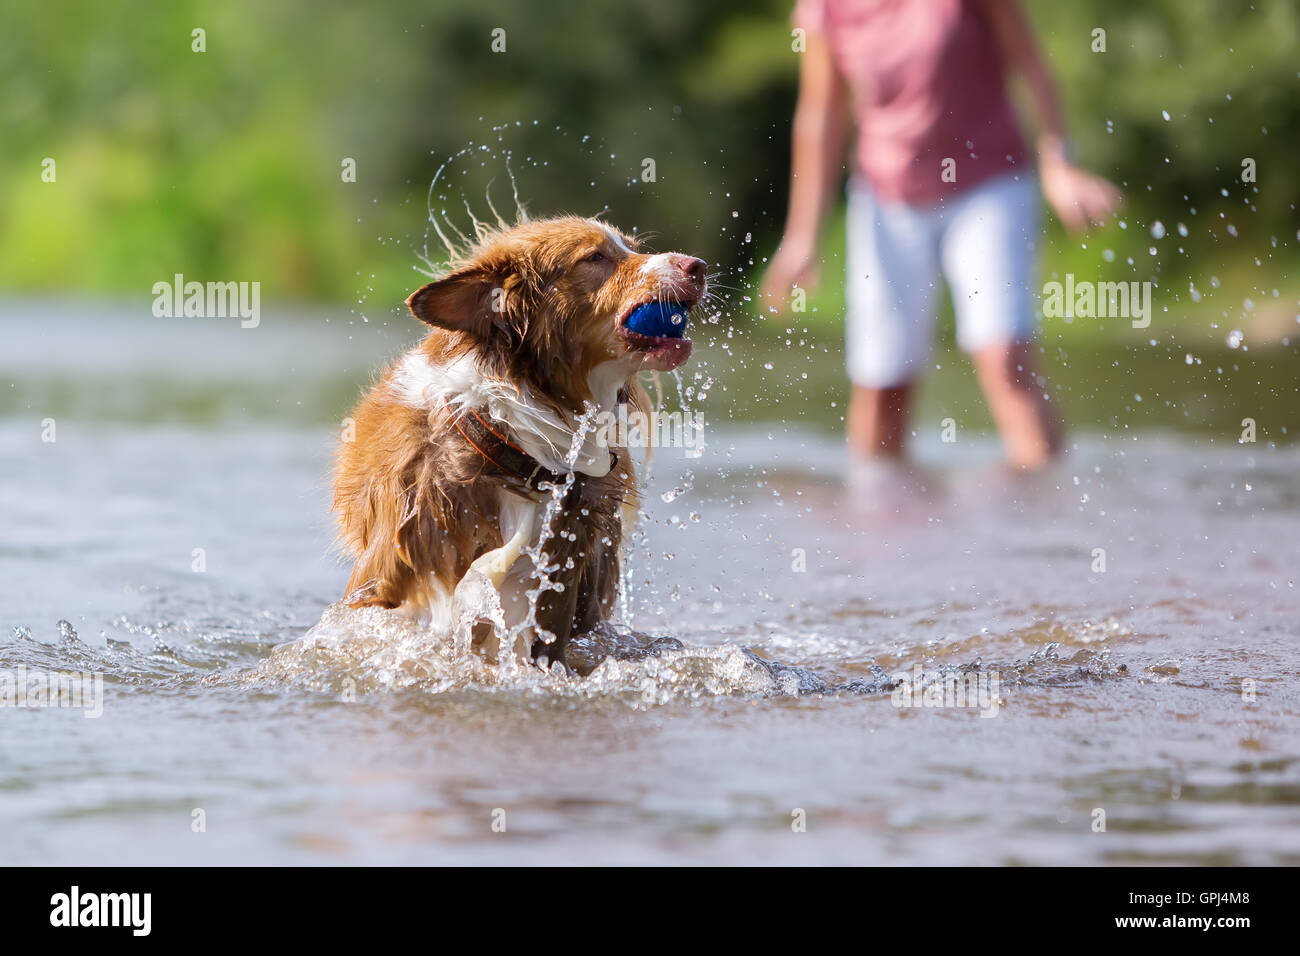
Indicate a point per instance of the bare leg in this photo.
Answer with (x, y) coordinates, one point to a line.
(1021, 409)
(877, 420)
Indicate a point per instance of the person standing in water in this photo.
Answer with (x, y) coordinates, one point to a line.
(941, 183)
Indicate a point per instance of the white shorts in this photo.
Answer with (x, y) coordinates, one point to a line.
(984, 243)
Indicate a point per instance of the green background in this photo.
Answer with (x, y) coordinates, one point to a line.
(226, 165)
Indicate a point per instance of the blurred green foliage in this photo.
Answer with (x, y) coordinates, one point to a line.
(226, 164)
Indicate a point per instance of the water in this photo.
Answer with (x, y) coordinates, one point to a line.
(1119, 690)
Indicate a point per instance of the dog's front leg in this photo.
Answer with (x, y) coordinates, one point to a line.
(479, 592)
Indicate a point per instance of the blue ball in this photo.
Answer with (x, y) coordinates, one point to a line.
(660, 319)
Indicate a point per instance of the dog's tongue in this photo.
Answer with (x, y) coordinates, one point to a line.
(659, 319)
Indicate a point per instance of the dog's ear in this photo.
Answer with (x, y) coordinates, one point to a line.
(472, 300)
(459, 301)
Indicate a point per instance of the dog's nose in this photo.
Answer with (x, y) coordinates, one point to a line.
(693, 268)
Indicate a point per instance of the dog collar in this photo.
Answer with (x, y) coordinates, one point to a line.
(508, 457)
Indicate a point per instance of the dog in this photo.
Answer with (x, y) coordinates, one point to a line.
(470, 442)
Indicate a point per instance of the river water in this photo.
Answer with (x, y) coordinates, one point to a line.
(1129, 618)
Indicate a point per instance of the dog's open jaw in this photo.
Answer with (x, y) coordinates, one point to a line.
(655, 326)
(659, 352)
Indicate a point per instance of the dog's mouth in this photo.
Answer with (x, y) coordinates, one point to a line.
(657, 330)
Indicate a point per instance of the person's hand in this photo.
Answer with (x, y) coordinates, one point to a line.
(793, 264)
(1078, 197)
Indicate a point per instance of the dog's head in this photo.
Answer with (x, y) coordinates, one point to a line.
(549, 300)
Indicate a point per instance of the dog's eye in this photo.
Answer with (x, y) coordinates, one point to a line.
(595, 257)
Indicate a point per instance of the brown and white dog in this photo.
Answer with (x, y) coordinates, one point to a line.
(442, 487)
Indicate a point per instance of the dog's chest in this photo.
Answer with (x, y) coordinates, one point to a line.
(576, 540)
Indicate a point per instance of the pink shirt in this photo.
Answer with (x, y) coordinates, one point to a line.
(927, 84)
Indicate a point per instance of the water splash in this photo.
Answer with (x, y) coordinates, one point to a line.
(584, 426)
(374, 650)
